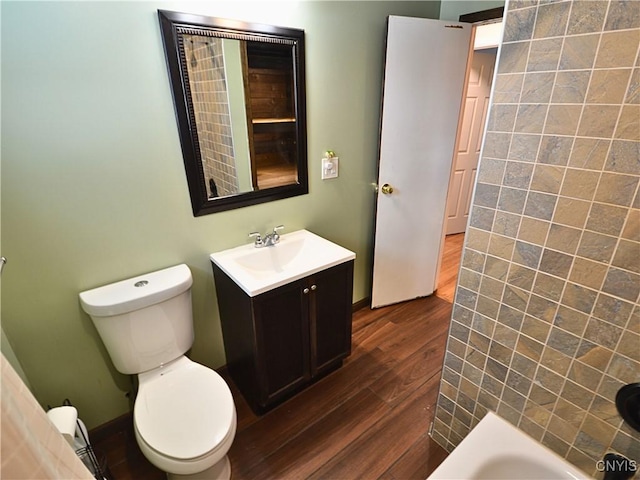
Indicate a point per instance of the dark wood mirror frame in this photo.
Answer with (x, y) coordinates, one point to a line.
(173, 25)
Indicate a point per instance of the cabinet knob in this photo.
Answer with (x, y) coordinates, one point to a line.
(313, 287)
(305, 291)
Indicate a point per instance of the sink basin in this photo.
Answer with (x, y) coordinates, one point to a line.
(495, 449)
(298, 254)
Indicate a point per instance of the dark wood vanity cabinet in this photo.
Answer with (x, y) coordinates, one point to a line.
(278, 342)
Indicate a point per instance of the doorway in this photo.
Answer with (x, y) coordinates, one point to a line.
(471, 132)
(416, 169)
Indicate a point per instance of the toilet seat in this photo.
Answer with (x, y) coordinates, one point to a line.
(184, 410)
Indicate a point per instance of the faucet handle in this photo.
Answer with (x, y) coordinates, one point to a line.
(258, 241)
(276, 237)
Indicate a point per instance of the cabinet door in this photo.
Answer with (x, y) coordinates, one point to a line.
(330, 316)
(282, 330)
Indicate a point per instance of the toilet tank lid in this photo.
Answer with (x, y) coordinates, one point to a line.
(136, 293)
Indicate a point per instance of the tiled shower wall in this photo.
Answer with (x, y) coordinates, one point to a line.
(546, 321)
(208, 84)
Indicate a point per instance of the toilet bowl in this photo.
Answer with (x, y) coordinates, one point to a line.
(184, 415)
(184, 419)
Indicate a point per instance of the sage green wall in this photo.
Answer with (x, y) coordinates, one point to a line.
(93, 185)
(452, 9)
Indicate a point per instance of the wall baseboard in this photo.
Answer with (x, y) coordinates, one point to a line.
(365, 302)
(123, 423)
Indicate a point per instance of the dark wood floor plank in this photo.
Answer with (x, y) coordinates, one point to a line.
(428, 320)
(418, 368)
(448, 276)
(377, 450)
(419, 461)
(302, 411)
(307, 452)
(364, 317)
(371, 336)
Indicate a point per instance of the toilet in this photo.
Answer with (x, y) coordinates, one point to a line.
(184, 416)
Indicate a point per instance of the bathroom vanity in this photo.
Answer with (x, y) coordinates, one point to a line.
(285, 312)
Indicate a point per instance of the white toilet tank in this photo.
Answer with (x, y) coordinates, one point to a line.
(144, 321)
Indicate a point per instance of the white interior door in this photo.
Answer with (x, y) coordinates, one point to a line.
(471, 131)
(423, 90)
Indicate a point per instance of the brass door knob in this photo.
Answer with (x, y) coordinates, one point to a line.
(387, 189)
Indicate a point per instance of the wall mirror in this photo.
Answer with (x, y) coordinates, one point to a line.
(239, 95)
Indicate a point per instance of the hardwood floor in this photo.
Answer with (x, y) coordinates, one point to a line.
(368, 419)
(450, 265)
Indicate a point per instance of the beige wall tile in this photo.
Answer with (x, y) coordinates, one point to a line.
(540, 205)
(537, 87)
(513, 58)
(555, 150)
(608, 86)
(506, 224)
(598, 121)
(533, 230)
(628, 127)
(627, 257)
(571, 212)
(564, 239)
(633, 92)
(624, 157)
(492, 170)
(596, 356)
(580, 183)
(544, 55)
(554, 326)
(477, 239)
(571, 86)
(634, 321)
(623, 14)
(502, 118)
(551, 20)
(616, 189)
(618, 49)
(588, 273)
(519, 25)
(622, 283)
(612, 309)
(632, 227)
(623, 368)
(548, 286)
(579, 52)
(607, 219)
(507, 88)
(555, 263)
(524, 147)
(630, 345)
(520, 276)
(547, 178)
(530, 118)
(586, 17)
(562, 120)
(596, 246)
(589, 153)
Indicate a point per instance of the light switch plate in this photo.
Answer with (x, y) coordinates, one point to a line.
(329, 167)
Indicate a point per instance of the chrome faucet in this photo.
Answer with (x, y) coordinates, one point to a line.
(269, 239)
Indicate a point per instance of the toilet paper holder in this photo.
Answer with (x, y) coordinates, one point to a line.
(65, 419)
